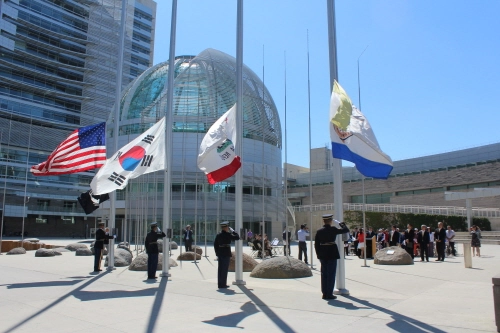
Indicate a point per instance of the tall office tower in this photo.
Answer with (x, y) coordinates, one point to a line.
(58, 65)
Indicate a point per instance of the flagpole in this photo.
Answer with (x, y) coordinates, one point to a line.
(310, 156)
(239, 144)
(336, 163)
(118, 91)
(167, 188)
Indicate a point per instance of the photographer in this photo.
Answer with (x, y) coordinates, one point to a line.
(151, 245)
(328, 252)
(301, 235)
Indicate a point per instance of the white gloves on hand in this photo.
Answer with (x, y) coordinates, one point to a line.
(336, 224)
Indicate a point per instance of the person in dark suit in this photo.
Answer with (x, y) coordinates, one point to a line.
(100, 237)
(394, 237)
(440, 238)
(328, 252)
(423, 238)
(287, 238)
(151, 245)
(409, 238)
(222, 247)
(187, 238)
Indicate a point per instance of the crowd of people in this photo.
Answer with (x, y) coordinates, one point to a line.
(423, 242)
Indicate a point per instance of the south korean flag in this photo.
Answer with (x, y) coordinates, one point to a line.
(144, 154)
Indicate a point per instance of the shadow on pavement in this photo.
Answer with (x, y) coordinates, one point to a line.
(160, 294)
(232, 319)
(401, 322)
(57, 301)
(42, 284)
(266, 310)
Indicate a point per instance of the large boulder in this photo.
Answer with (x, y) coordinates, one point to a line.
(249, 263)
(185, 256)
(197, 249)
(83, 252)
(140, 263)
(74, 246)
(281, 268)
(17, 250)
(44, 253)
(396, 256)
(122, 258)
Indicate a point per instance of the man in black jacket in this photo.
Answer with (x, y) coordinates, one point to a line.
(394, 236)
(222, 247)
(100, 237)
(440, 238)
(328, 253)
(187, 238)
(151, 245)
(423, 238)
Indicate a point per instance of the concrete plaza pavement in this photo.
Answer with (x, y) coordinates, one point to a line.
(61, 294)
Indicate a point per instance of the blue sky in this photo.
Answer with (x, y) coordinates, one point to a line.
(429, 77)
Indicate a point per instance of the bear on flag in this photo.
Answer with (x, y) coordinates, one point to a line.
(216, 156)
(144, 154)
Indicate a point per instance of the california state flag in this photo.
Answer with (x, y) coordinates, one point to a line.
(216, 156)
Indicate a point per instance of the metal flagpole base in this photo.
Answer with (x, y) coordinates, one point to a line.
(239, 283)
(341, 291)
(165, 274)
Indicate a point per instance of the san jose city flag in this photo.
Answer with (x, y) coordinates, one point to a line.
(216, 156)
(144, 154)
(353, 138)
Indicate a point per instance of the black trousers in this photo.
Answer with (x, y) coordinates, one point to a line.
(440, 247)
(188, 245)
(222, 270)
(424, 251)
(97, 259)
(303, 249)
(152, 264)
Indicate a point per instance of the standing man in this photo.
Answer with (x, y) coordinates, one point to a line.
(394, 237)
(423, 239)
(440, 237)
(409, 237)
(222, 247)
(100, 237)
(301, 235)
(287, 238)
(328, 253)
(151, 245)
(450, 237)
(187, 238)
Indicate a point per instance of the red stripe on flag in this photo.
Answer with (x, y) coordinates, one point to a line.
(225, 172)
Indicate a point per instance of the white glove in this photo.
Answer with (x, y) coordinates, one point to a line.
(336, 224)
(231, 229)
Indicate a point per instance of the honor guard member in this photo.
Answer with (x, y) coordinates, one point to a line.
(151, 245)
(100, 237)
(222, 247)
(328, 253)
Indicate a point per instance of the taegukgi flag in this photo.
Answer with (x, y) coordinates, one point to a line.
(353, 138)
(216, 156)
(144, 154)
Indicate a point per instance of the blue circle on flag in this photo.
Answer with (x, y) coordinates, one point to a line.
(131, 159)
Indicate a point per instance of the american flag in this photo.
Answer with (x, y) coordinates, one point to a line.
(83, 150)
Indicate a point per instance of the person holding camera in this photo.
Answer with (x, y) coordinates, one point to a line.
(151, 245)
(328, 252)
(100, 237)
(222, 247)
(301, 235)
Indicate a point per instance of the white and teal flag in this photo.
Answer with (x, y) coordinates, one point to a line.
(144, 154)
(353, 138)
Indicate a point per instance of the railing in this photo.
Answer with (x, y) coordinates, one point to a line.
(414, 209)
